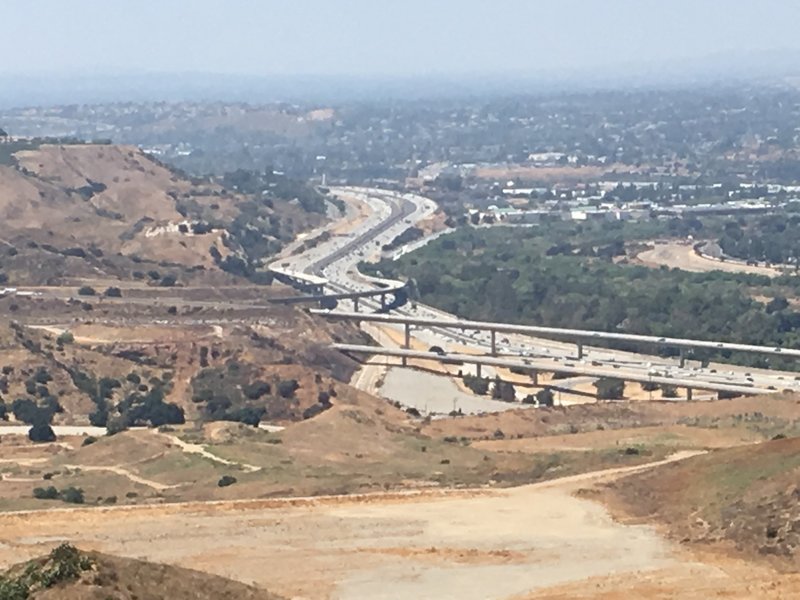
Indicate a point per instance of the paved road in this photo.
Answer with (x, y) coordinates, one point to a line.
(338, 260)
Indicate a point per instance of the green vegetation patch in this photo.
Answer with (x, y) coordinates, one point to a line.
(65, 563)
(574, 276)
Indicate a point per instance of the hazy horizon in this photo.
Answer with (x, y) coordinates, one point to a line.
(358, 38)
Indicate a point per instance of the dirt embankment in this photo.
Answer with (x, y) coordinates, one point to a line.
(744, 500)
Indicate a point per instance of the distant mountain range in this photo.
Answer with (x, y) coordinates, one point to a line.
(59, 88)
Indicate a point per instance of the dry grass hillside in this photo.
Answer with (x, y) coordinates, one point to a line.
(745, 498)
(89, 211)
(81, 372)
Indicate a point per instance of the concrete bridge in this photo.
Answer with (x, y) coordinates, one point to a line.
(534, 367)
(579, 336)
(398, 293)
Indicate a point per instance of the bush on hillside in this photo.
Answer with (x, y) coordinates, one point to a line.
(41, 432)
(226, 480)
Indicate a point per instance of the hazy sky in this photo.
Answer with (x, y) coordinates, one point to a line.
(382, 37)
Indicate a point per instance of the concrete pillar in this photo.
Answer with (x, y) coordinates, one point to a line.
(580, 350)
(478, 370)
(689, 394)
(407, 341)
(355, 304)
(494, 342)
(683, 358)
(383, 301)
(535, 377)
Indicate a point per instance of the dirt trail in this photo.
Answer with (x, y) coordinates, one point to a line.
(118, 470)
(469, 545)
(198, 449)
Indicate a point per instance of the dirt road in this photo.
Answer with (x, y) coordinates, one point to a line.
(466, 545)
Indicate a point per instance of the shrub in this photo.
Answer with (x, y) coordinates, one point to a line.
(88, 440)
(48, 493)
(545, 397)
(257, 389)
(478, 385)
(287, 388)
(669, 391)
(226, 480)
(72, 495)
(247, 415)
(65, 338)
(41, 432)
(27, 411)
(42, 376)
(86, 290)
(99, 417)
(313, 411)
(113, 292)
(115, 426)
(609, 388)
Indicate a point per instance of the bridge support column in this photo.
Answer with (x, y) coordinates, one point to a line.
(682, 358)
(494, 342)
(478, 370)
(689, 394)
(535, 377)
(383, 301)
(407, 342)
(355, 304)
(580, 350)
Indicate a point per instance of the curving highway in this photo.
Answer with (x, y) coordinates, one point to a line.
(391, 213)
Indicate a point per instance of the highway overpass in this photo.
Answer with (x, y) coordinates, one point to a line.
(579, 336)
(534, 367)
(398, 292)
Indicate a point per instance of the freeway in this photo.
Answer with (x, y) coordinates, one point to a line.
(539, 365)
(580, 335)
(392, 213)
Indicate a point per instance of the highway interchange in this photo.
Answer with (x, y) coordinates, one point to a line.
(393, 212)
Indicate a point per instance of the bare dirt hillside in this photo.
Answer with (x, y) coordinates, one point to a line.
(91, 210)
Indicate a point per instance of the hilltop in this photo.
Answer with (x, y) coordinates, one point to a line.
(82, 211)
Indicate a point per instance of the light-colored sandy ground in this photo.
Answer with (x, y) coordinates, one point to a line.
(681, 255)
(430, 393)
(471, 545)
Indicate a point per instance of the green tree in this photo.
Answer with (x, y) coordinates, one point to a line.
(545, 397)
(41, 432)
(609, 388)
